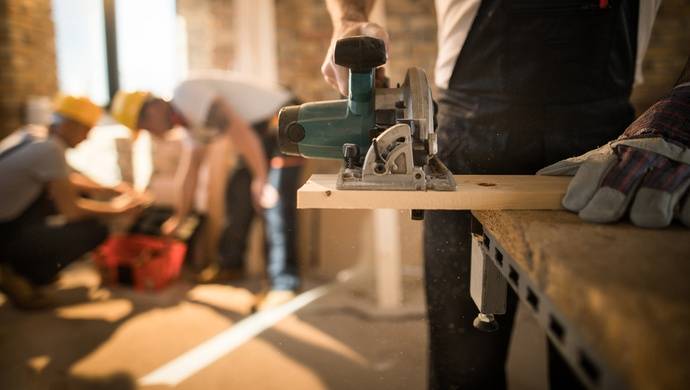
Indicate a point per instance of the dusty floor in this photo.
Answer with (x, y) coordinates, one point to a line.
(102, 338)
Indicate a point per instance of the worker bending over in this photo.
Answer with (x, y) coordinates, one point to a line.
(210, 106)
(279, 203)
(45, 223)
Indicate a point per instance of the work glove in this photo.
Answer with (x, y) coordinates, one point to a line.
(648, 166)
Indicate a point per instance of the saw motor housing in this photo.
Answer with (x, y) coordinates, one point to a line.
(385, 137)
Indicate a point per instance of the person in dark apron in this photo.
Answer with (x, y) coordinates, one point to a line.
(535, 82)
(45, 223)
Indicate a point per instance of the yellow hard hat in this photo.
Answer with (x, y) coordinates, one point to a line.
(127, 106)
(77, 108)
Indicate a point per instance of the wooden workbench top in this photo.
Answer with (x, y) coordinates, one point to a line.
(474, 192)
(625, 289)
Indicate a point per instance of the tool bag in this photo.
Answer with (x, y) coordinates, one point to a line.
(143, 262)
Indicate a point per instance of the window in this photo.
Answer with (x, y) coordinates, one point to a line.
(147, 50)
(80, 47)
(151, 47)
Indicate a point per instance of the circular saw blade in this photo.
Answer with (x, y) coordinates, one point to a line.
(419, 106)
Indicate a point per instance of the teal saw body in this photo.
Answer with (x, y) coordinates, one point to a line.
(320, 129)
(385, 136)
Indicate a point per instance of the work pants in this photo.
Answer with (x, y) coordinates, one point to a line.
(38, 250)
(280, 226)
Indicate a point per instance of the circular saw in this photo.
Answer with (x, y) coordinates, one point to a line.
(386, 137)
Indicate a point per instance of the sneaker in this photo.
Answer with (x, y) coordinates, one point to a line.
(22, 293)
(214, 274)
(272, 299)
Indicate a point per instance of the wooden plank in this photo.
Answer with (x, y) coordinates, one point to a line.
(388, 259)
(474, 192)
(623, 289)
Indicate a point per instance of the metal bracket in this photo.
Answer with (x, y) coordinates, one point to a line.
(582, 357)
(488, 288)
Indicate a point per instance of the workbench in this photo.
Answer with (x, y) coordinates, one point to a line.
(614, 299)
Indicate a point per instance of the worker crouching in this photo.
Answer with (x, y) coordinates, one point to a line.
(45, 222)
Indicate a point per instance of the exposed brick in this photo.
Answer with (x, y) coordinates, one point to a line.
(304, 32)
(27, 57)
(210, 41)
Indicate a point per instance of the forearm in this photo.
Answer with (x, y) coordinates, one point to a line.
(349, 10)
(73, 207)
(93, 208)
(83, 183)
(186, 179)
(186, 198)
(242, 135)
(251, 149)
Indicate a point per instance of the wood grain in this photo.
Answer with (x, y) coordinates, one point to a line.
(625, 289)
(474, 192)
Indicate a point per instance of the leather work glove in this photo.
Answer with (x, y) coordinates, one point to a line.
(648, 165)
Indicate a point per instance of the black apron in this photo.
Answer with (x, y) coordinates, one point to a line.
(549, 51)
(536, 69)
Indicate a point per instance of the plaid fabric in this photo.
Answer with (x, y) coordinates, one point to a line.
(632, 165)
(666, 175)
(669, 118)
(655, 171)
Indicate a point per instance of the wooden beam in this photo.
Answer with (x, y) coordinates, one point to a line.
(388, 259)
(474, 192)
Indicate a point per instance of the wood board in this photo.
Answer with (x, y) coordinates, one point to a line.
(624, 289)
(474, 192)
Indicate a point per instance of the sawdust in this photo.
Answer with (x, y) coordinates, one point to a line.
(623, 288)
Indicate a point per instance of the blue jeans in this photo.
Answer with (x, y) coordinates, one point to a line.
(281, 230)
(280, 226)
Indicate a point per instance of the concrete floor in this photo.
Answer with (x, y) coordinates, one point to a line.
(110, 338)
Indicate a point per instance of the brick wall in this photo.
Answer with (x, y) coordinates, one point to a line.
(210, 43)
(412, 28)
(27, 57)
(304, 32)
(27, 49)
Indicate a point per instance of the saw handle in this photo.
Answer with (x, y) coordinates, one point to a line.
(360, 54)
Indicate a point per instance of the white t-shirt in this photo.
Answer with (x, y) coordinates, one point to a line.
(250, 99)
(253, 100)
(455, 18)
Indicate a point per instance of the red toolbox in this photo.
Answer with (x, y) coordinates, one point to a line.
(143, 262)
